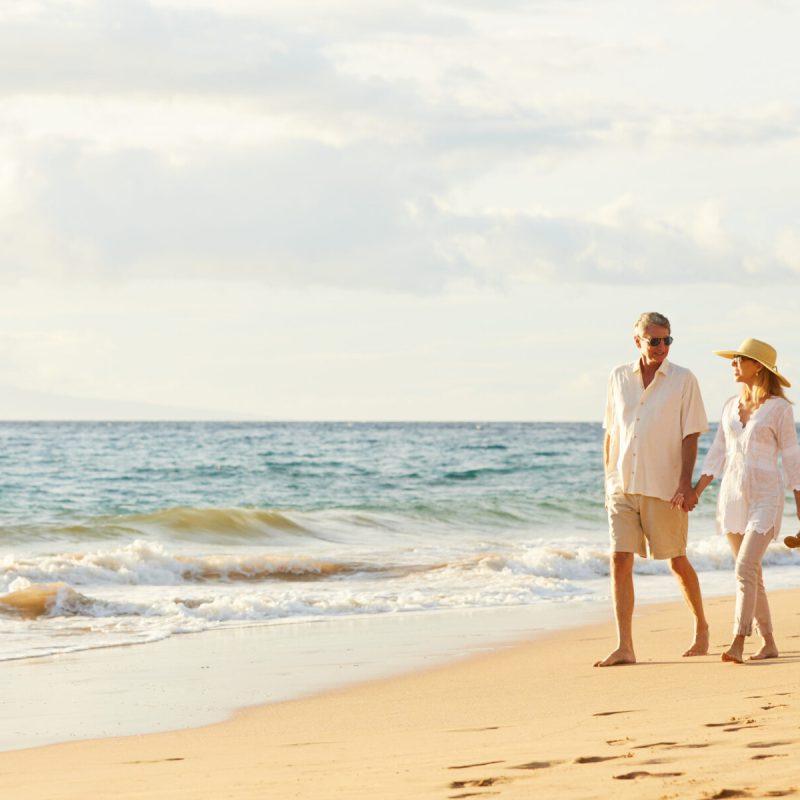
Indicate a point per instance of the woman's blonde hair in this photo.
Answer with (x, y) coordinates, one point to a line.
(765, 385)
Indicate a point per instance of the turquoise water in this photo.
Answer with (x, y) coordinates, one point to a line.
(115, 533)
(492, 474)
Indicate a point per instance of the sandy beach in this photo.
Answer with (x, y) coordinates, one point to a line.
(535, 718)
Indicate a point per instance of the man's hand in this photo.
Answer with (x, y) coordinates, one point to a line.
(688, 457)
(684, 498)
(689, 500)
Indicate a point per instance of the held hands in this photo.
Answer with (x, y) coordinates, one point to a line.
(684, 499)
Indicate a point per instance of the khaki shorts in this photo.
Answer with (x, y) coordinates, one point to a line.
(646, 525)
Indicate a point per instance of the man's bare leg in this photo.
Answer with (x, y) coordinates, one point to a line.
(622, 586)
(690, 586)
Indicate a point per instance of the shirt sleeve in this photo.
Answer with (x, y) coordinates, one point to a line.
(714, 462)
(608, 417)
(693, 413)
(790, 451)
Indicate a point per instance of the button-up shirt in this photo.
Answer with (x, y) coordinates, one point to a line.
(646, 428)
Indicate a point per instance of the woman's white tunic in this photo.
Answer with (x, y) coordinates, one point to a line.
(752, 489)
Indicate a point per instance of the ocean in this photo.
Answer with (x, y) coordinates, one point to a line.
(115, 533)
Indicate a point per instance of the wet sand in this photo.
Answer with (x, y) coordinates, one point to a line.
(185, 681)
(531, 720)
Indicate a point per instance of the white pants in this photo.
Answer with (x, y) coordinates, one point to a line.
(751, 599)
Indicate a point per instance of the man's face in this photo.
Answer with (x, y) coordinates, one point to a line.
(652, 353)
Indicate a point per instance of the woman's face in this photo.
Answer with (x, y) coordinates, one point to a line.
(745, 369)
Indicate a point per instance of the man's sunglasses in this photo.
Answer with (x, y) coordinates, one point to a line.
(656, 340)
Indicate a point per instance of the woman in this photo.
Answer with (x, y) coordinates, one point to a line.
(756, 427)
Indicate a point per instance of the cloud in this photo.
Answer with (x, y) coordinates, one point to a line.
(747, 127)
(133, 46)
(301, 213)
(385, 146)
(365, 217)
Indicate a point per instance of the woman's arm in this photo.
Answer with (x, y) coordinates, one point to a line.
(714, 462)
(701, 485)
(790, 452)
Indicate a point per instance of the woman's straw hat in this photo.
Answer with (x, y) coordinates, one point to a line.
(759, 351)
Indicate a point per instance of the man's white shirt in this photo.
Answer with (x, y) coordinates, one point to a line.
(647, 428)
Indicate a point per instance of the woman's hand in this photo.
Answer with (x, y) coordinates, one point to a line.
(684, 499)
(677, 500)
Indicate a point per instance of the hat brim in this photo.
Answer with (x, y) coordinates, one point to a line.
(734, 353)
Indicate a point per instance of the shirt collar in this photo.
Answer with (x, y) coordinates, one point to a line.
(663, 368)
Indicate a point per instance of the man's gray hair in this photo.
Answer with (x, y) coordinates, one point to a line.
(651, 318)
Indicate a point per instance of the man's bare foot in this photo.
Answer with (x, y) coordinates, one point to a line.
(732, 657)
(622, 655)
(764, 653)
(700, 644)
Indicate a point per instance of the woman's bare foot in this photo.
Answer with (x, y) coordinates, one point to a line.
(735, 653)
(622, 655)
(700, 644)
(764, 653)
(733, 658)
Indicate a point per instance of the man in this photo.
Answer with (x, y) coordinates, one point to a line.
(654, 417)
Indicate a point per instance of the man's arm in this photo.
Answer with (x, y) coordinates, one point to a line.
(685, 496)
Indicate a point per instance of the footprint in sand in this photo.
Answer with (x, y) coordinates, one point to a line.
(733, 724)
(690, 746)
(654, 744)
(740, 728)
(598, 759)
(724, 793)
(479, 764)
(762, 756)
(475, 730)
(768, 744)
(611, 713)
(632, 776)
(538, 765)
(478, 783)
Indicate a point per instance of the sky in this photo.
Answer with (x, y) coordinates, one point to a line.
(380, 210)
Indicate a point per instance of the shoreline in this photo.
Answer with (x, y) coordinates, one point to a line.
(535, 717)
(183, 682)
